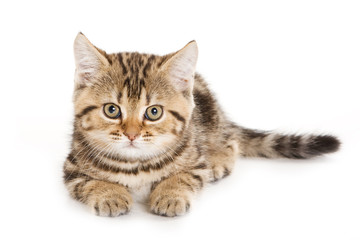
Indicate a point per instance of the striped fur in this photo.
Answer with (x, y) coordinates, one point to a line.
(171, 159)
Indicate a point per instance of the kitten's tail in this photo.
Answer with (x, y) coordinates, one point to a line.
(254, 143)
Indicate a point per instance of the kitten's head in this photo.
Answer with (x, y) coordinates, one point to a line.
(130, 105)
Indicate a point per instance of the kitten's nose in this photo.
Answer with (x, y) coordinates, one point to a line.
(131, 136)
(132, 133)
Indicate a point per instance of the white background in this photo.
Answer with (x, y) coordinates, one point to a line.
(291, 66)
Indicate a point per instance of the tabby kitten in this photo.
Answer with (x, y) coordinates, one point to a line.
(149, 124)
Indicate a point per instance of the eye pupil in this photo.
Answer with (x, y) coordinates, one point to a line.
(154, 111)
(112, 109)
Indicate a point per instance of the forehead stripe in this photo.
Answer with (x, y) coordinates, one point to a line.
(124, 69)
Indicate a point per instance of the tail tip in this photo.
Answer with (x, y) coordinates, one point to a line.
(325, 144)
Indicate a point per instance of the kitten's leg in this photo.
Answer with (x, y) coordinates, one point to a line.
(104, 198)
(222, 160)
(172, 196)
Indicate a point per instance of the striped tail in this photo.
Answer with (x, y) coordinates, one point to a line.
(253, 143)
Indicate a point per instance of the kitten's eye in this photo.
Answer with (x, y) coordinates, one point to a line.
(154, 113)
(111, 110)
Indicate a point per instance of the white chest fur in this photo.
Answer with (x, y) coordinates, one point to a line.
(141, 194)
(139, 185)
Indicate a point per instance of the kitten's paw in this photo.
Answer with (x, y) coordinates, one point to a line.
(220, 171)
(111, 206)
(222, 161)
(169, 205)
(107, 199)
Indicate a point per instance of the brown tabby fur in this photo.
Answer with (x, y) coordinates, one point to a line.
(191, 145)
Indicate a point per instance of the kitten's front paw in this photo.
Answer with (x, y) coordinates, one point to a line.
(111, 206)
(169, 204)
(107, 199)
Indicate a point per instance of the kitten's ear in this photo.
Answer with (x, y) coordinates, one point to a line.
(89, 61)
(181, 67)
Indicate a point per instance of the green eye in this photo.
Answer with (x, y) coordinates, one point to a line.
(111, 110)
(154, 113)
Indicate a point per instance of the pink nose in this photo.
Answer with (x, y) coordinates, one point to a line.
(131, 136)
(132, 132)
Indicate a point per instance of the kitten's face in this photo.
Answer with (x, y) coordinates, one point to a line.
(129, 105)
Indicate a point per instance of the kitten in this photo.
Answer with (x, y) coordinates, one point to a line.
(148, 122)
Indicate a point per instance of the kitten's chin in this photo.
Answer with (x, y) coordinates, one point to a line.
(143, 151)
(136, 152)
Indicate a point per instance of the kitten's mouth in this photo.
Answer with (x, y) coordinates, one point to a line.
(131, 145)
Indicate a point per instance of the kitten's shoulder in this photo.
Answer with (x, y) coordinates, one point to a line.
(206, 107)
